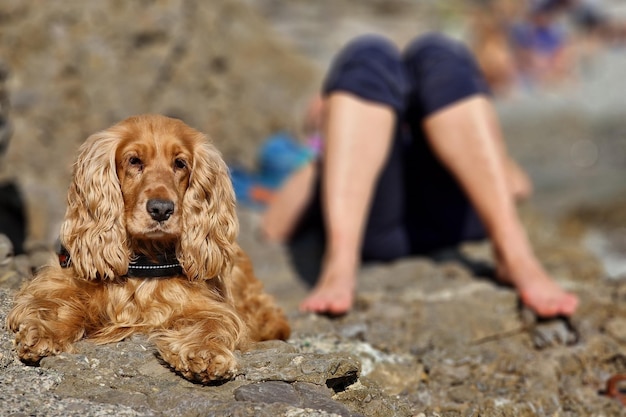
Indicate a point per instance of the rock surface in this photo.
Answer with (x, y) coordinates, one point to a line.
(425, 337)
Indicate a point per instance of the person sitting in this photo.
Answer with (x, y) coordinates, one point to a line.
(412, 161)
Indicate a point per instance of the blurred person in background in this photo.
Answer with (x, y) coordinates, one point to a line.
(412, 162)
(541, 44)
(538, 43)
(597, 26)
(523, 44)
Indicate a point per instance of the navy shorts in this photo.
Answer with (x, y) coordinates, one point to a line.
(417, 207)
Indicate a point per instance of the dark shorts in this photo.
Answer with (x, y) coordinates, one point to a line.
(417, 207)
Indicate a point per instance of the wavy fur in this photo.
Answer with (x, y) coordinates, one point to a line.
(94, 231)
(207, 243)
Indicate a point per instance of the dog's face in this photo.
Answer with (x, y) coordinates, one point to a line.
(147, 183)
(154, 169)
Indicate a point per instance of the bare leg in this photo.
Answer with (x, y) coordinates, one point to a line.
(358, 136)
(519, 184)
(287, 204)
(467, 139)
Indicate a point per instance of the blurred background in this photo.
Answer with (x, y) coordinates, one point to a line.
(242, 70)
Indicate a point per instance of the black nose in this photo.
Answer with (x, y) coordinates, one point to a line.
(160, 210)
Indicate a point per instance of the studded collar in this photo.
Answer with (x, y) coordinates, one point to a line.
(165, 265)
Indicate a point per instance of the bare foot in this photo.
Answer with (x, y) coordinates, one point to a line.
(537, 290)
(333, 294)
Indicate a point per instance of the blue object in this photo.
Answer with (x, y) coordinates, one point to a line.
(242, 183)
(279, 156)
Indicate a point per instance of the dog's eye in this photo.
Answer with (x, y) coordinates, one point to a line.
(135, 161)
(180, 163)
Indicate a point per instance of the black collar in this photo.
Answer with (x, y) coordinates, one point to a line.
(166, 265)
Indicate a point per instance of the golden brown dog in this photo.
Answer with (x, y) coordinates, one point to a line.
(150, 247)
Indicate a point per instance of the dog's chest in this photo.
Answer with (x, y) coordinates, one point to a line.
(147, 302)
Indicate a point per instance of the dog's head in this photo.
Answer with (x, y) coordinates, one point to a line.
(150, 182)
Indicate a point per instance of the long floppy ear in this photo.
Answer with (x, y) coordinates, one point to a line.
(208, 240)
(94, 230)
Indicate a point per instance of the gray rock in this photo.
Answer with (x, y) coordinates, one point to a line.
(553, 332)
(300, 394)
(268, 392)
(335, 371)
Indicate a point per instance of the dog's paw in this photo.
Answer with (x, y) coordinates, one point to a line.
(32, 345)
(212, 363)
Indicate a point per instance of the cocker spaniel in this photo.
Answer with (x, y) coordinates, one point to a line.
(149, 241)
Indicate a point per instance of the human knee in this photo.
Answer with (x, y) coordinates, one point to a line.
(370, 48)
(442, 71)
(369, 67)
(438, 46)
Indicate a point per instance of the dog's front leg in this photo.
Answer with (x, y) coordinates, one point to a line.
(48, 315)
(200, 343)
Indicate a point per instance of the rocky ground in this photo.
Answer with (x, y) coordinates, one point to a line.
(427, 337)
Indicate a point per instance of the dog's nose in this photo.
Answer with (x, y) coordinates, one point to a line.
(160, 210)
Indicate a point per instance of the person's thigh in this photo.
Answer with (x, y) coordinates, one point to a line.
(371, 68)
(386, 235)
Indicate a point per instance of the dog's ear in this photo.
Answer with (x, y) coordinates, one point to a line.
(94, 232)
(208, 240)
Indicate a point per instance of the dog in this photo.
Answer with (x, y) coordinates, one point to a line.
(149, 246)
